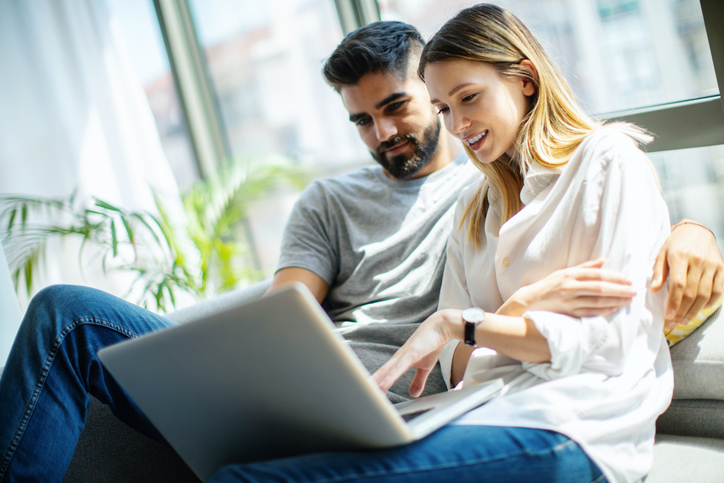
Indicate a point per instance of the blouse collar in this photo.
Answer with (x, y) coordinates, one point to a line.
(538, 178)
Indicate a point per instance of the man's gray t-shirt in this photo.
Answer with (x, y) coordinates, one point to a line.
(380, 245)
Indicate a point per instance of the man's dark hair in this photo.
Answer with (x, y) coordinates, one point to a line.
(377, 47)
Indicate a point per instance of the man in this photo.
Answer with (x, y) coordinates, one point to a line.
(369, 245)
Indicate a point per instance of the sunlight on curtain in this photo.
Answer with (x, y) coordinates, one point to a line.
(74, 117)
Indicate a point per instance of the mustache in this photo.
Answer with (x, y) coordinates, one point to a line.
(385, 145)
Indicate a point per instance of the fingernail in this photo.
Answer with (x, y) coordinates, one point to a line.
(671, 324)
(684, 321)
(670, 313)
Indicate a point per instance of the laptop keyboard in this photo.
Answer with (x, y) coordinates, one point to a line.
(410, 416)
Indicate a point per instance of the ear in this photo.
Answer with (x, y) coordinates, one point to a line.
(528, 86)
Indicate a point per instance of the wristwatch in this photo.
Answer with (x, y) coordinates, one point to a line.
(472, 317)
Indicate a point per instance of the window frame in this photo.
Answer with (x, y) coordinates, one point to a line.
(692, 123)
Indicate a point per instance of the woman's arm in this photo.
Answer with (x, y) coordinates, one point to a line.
(582, 291)
(515, 337)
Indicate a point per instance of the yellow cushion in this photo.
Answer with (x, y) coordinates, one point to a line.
(682, 331)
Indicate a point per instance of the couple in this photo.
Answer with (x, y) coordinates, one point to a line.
(583, 389)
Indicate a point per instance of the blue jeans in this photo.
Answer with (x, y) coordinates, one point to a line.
(458, 454)
(51, 370)
(53, 367)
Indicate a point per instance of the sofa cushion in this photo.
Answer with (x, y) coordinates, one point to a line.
(109, 451)
(697, 408)
(699, 362)
(703, 418)
(680, 459)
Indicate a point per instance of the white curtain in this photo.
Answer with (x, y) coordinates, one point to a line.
(9, 310)
(74, 117)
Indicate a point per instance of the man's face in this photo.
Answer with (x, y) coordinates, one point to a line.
(396, 121)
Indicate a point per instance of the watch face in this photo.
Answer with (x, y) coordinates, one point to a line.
(473, 315)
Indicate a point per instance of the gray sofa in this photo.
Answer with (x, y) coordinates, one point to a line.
(689, 443)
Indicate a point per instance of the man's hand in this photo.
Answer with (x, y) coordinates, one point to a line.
(693, 264)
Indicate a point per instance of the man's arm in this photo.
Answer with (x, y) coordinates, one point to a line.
(691, 261)
(314, 282)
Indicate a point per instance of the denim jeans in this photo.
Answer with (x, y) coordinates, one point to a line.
(51, 370)
(53, 367)
(457, 454)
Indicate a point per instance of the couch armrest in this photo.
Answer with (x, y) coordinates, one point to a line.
(248, 294)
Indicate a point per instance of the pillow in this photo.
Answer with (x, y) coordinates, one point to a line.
(682, 331)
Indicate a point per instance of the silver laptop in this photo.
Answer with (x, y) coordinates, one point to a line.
(269, 379)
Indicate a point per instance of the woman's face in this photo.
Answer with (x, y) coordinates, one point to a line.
(478, 105)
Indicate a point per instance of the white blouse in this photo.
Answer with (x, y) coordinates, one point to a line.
(609, 377)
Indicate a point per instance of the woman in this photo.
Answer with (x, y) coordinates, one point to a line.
(582, 394)
(585, 192)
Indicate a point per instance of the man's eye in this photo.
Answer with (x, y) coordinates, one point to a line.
(395, 106)
(363, 122)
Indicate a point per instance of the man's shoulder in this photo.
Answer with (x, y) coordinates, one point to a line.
(366, 175)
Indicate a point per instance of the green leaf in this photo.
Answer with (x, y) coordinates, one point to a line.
(12, 218)
(129, 229)
(106, 205)
(114, 238)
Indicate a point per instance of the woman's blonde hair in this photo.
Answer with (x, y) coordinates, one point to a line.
(552, 129)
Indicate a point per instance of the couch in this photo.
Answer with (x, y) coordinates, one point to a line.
(689, 442)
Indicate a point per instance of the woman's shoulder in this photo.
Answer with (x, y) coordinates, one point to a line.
(615, 144)
(615, 138)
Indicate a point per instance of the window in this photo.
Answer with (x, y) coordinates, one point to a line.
(692, 182)
(616, 54)
(265, 66)
(140, 29)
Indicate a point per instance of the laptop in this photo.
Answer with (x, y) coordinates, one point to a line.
(269, 379)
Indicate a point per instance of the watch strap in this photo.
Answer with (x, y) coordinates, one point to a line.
(472, 317)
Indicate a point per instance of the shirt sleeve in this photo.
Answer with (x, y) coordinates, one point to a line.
(454, 290)
(310, 239)
(620, 207)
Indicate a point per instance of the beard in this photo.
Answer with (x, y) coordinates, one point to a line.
(404, 166)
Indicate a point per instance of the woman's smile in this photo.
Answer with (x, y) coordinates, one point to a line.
(475, 141)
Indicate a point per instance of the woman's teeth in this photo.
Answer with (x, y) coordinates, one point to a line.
(477, 138)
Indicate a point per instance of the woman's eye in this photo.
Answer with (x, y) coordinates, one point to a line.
(442, 110)
(469, 97)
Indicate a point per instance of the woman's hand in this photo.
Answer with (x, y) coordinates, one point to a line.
(421, 351)
(585, 290)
